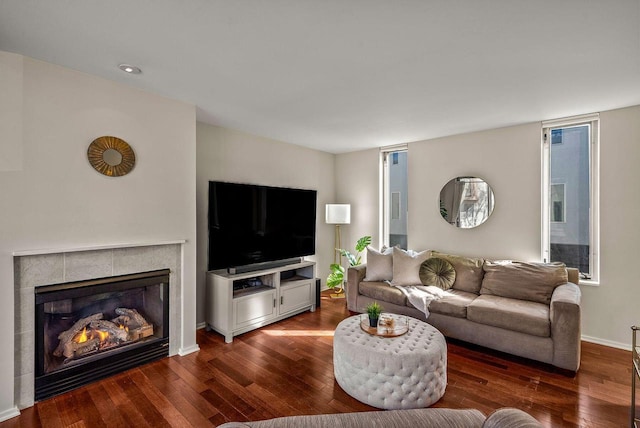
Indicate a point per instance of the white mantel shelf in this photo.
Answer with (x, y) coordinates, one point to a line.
(94, 248)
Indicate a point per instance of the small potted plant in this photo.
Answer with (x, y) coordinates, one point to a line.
(374, 309)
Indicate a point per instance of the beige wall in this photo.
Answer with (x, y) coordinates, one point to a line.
(233, 156)
(510, 160)
(357, 184)
(611, 308)
(51, 198)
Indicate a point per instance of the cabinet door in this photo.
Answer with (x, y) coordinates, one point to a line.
(254, 309)
(295, 296)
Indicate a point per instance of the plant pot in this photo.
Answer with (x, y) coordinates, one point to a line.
(373, 322)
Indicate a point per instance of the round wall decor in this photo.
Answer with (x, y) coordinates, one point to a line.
(466, 202)
(111, 156)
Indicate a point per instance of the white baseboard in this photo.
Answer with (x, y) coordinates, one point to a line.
(201, 325)
(9, 413)
(186, 351)
(605, 342)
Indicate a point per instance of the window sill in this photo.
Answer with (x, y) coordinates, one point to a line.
(589, 282)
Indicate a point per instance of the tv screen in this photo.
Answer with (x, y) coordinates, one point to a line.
(251, 224)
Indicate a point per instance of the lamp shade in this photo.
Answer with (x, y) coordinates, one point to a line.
(338, 214)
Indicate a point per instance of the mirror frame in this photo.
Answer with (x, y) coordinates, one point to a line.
(487, 198)
(97, 148)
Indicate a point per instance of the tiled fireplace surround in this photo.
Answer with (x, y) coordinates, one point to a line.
(38, 268)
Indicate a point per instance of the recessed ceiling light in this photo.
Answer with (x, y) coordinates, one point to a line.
(131, 69)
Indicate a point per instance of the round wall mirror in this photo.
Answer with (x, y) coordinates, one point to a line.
(466, 202)
(111, 156)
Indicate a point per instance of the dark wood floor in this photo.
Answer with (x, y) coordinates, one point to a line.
(286, 369)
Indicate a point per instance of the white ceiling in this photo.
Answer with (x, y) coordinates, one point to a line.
(344, 75)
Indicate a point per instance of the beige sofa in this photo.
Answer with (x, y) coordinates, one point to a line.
(531, 310)
(415, 418)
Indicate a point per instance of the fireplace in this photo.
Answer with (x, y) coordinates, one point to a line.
(88, 330)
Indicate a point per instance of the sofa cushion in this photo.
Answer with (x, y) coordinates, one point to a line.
(469, 271)
(406, 267)
(437, 272)
(511, 314)
(454, 304)
(379, 265)
(382, 292)
(521, 280)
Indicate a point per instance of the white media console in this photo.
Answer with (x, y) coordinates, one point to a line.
(237, 303)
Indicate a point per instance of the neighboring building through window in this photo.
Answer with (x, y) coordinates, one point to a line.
(394, 197)
(570, 203)
(395, 205)
(557, 203)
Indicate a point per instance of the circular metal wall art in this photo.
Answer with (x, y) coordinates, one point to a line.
(111, 156)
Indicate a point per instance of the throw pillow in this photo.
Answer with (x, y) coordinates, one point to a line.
(406, 268)
(534, 282)
(469, 271)
(438, 272)
(379, 265)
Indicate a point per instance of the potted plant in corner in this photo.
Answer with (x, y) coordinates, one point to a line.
(335, 280)
(374, 310)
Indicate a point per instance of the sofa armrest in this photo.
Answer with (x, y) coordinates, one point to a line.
(565, 326)
(355, 274)
(510, 417)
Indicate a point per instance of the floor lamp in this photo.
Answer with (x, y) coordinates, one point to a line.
(337, 214)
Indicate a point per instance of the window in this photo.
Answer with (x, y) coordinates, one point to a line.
(570, 194)
(556, 136)
(394, 196)
(394, 157)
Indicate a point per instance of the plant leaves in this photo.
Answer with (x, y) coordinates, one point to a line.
(336, 268)
(335, 278)
(350, 257)
(363, 243)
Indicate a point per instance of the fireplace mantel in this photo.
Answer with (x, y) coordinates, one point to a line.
(65, 250)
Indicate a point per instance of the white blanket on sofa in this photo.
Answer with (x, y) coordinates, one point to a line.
(421, 296)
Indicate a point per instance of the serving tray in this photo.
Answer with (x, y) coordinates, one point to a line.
(399, 326)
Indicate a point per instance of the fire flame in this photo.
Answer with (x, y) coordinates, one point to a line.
(83, 336)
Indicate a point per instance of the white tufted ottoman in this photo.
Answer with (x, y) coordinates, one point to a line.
(404, 372)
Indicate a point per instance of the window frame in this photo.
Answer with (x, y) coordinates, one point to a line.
(385, 195)
(593, 120)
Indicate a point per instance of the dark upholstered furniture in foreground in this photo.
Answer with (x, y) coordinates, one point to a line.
(414, 418)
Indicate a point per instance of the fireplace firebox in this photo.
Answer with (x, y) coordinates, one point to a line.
(88, 330)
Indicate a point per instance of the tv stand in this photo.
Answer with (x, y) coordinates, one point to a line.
(241, 302)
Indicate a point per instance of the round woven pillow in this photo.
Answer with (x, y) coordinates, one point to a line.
(437, 272)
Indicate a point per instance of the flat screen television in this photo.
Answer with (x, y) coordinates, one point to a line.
(251, 224)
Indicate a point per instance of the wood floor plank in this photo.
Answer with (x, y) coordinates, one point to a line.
(287, 369)
(123, 404)
(159, 401)
(105, 407)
